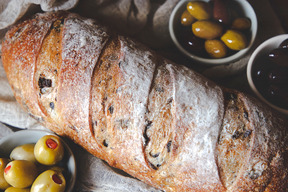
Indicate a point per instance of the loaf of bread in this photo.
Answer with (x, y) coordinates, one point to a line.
(158, 121)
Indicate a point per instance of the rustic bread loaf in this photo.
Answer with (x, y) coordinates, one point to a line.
(160, 122)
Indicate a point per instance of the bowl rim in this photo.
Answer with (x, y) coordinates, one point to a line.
(260, 49)
(38, 133)
(220, 61)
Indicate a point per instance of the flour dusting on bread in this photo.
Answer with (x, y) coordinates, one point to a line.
(160, 122)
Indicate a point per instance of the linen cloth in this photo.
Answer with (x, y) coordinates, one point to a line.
(146, 21)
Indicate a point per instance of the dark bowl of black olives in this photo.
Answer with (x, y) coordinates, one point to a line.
(213, 32)
(35, 161)
(267, 72)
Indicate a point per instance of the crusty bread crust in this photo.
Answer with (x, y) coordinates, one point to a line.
(158, 121)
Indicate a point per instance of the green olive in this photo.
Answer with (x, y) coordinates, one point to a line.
(49, 150)
(215, 48)
(187, 19)
(234, 39)
(14, 189)
(49, 181)
(207, 29)
(3, 183)
(199, 9)
(23, 152)
(20, 173)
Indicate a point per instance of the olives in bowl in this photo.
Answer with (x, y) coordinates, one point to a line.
(49, 181)
(15, 189)
(20, 173)
(23, 152)
(3, 183)
(213, 31)
(267, 72)
(23, 170)
(49, 150)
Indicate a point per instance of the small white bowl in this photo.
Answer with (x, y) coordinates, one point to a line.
(8, 143)
(261, 51)
(247, 11)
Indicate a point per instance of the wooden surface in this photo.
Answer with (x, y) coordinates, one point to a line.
(281, 9)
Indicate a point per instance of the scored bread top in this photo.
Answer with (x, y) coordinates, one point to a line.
(158, 121)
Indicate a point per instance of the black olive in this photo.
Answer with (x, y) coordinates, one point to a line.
(191, 43)
(105, 143)
(247, 133)
(51, 104)
(159, 89)
(278, 76)
(279, 56)
(169, 146)
(278, 95)
(152, 166)
(236, 135)
(146, 138)
(260, 74)
(284, 44)
(43, 82)
(221, 11)
(246, 116)
(111, 109)
(154, 155)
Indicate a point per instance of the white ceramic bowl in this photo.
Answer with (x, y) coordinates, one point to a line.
(261, 51)
(8, 143)
(241, 5)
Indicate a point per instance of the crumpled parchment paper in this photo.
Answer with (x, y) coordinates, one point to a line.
(146, 21)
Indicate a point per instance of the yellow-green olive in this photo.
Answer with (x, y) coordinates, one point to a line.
(3, 183)
(14, 189)
(234, 39)
(199, 9)
(20, 173)
(241, 23)
(207, 29)
(215, 48)
(23, 152)
(49, 181)
(187, 19)
(49, 150)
